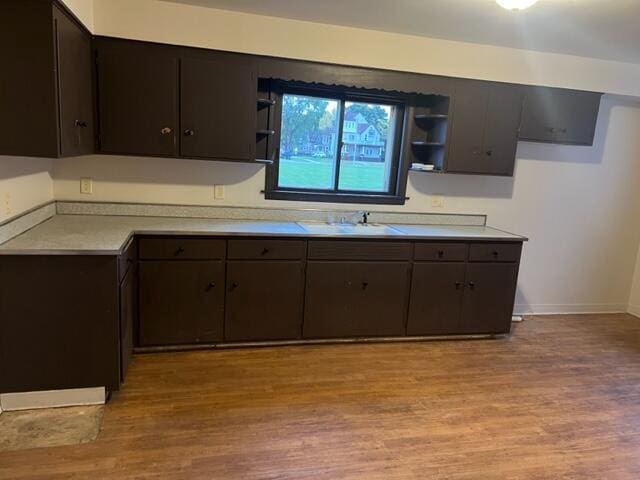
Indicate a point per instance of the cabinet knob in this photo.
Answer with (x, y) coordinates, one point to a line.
(472, 285)
(189, 133)
(563, 130)
(211, 285)
(489, 153)
(81, 124)
(166, 131)
(458, 285)
(550, 129)
(495, 254)
(264, 251)
(440, 253)
(234, 285)
(179, 250)
(365, 285)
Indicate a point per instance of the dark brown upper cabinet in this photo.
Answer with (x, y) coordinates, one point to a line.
(218, 108)
(138, 98)
(47, 89)
(484, 132)
(554, 115)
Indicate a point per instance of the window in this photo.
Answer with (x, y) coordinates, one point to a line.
(337, 148)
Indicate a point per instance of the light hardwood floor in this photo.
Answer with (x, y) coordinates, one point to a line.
(560, 399)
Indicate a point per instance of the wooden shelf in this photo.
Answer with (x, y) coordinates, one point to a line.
(435, 170)
(426, 144)
(431, 116)
(265, 102)
(265, 133)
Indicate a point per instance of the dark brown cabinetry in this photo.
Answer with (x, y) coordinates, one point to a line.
(218, 108)
(356, 299)
(59, 322)
(436, 298)
(456, 297)
(138, 98)
(488, 298)
(47, 89)
(128, 312)
(554, 115)
(181, 302)
(264, 300)
(484, 136)
(157, 100)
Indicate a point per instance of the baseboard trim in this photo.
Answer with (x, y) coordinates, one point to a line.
(634, 310)
(565, 309)
(52, 399)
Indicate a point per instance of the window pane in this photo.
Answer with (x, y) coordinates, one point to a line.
(367, 147)
(308, 142)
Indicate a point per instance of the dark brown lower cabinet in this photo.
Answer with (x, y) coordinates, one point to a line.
(264, 300)
(436, 298)
(181, 302)
(356, 299)
(488, 298)
(59, 322)
(128, 312)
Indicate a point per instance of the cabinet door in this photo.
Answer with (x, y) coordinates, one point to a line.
(264, 300)
(137, 90)
(75, 86)
(468, 126)
(181, 302)
(356, 299)
(218, 108)
(504, 111)
(554, 115)
(436, 298)
(128, 312)
(489, 297)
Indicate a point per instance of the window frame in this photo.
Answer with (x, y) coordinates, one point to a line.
(395, 195)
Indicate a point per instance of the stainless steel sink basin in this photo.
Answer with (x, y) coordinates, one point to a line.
(318, 228)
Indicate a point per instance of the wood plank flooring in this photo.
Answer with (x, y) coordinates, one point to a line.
(559, 399)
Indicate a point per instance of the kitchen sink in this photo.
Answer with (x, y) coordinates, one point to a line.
(319, 228)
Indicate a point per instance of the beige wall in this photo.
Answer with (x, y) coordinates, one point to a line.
(578, 205)
(83, 9)
(204, 27)
(24, 184)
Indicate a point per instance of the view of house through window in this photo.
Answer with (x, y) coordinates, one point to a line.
(313, 158)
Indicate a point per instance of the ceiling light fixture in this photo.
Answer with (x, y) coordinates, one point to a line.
(516, 4)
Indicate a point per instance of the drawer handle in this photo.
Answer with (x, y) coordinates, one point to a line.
(81, 124)
(165, 131)
(189, 133)
(440, 253)
(179, 250)
(234, 285)
(458, 285)
(472, 285)
(265, 251)
(495, 254)
(365, 285)
(211, 285)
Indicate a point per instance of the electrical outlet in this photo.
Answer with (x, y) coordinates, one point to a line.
(437, 201)
(86, 186)
(8, 209)
(218, 192)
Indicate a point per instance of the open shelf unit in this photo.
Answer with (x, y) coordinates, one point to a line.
(428, 120)
(265, 128)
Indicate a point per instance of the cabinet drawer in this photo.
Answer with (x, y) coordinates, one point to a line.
(350, 250)
(266, 249)
(127, 258)
(181, 248)
(442, 252)
(495, 252)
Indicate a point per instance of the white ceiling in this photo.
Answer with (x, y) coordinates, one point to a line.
(608, 29)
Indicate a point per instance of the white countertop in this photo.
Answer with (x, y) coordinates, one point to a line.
(107, 235)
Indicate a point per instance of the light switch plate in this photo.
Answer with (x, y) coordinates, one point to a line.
(86, 186)
(218, 192)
